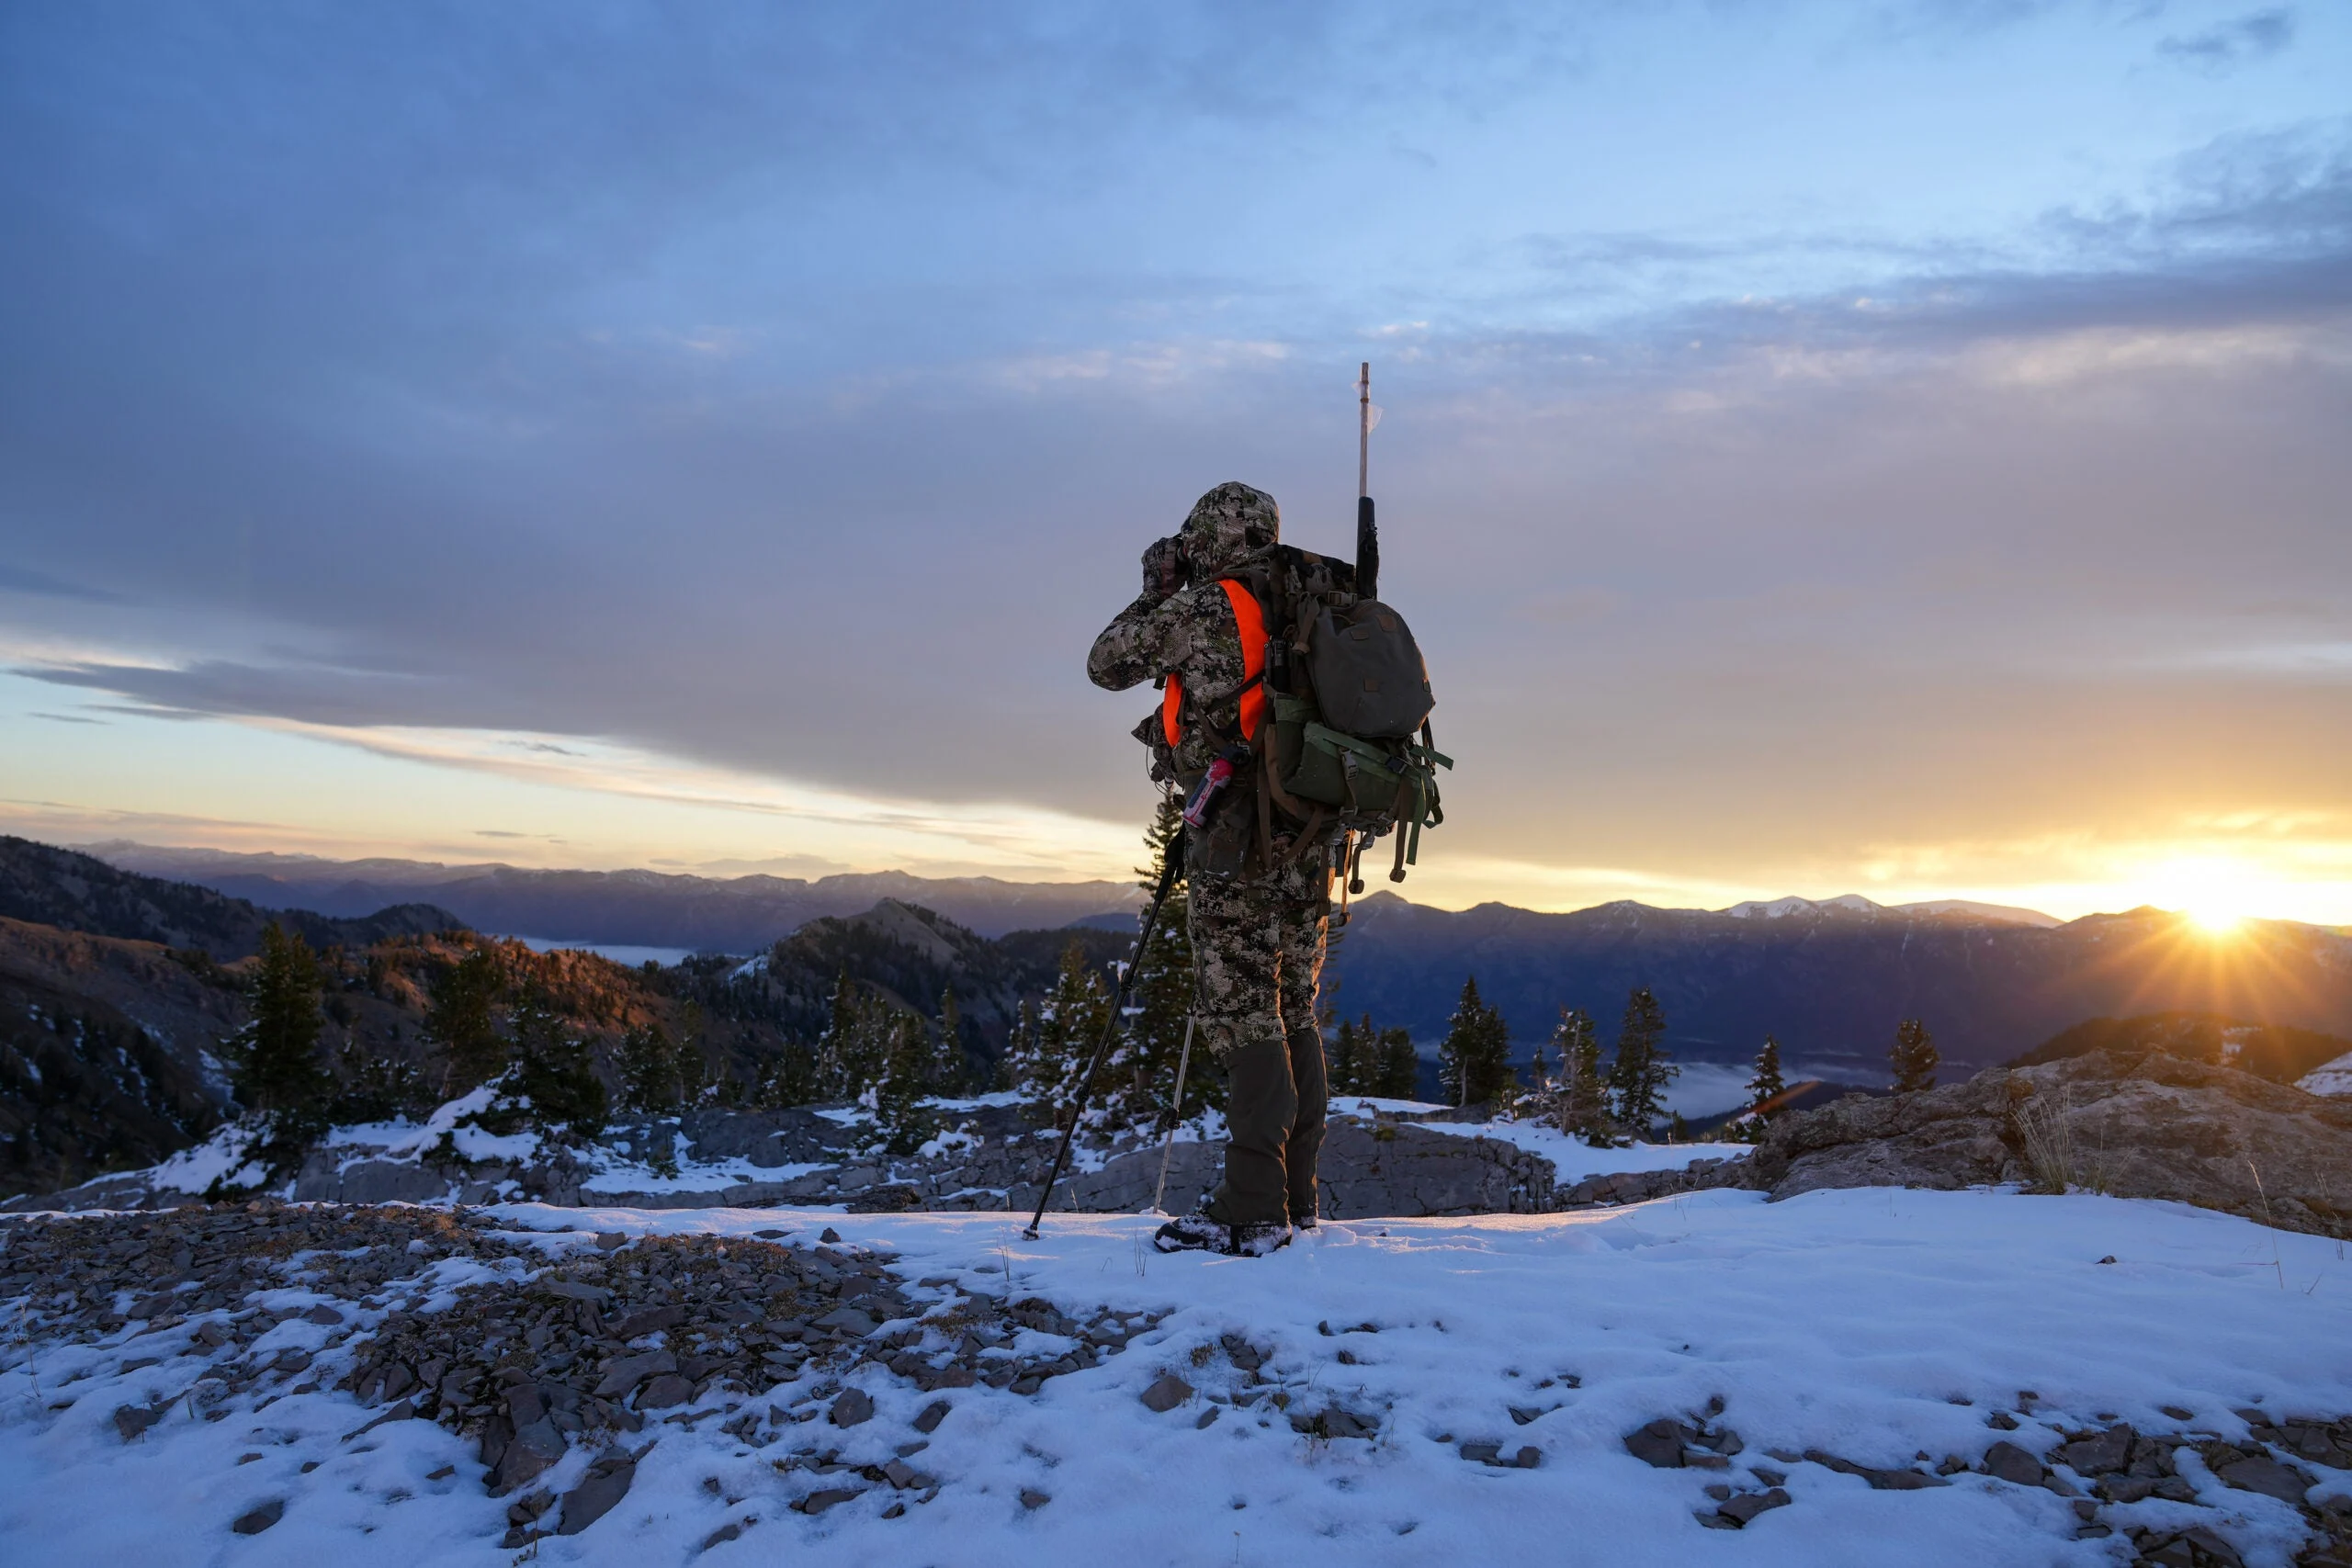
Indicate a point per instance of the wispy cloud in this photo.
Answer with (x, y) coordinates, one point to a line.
(24, 580)
(2226, 45)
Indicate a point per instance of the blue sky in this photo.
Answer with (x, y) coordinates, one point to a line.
(1892, 449)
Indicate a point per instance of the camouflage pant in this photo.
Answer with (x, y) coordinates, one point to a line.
(1258, 953)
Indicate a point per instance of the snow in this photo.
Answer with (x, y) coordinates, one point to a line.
(1003, 1098)
(619, 1175)
(403, 1139)
(1773, 909)
(1366, 1102)
(1872, 1323)
(2329, 1077)
(221, 1155)
(1574, 1159)
(1854, 903)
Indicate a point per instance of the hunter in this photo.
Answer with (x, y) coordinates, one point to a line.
(1259, 879)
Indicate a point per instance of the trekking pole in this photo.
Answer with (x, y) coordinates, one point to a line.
(1171, 868)
(1168, 1145)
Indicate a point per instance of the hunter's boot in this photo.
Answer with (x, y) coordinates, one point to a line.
(1251, 1206)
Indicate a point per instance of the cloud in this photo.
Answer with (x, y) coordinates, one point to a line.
(2223, 47)
(24, 580)
(780, 421)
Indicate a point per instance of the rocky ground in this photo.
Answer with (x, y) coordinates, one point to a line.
(1376, 1163)
(533, 1347)
(439, 1315)
(2090, 1466)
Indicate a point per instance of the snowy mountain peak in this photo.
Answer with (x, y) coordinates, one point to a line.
(1759, 909)
(1855, 903)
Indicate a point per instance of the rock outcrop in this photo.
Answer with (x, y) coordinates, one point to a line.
(2135, 1124)
(1378, 1167)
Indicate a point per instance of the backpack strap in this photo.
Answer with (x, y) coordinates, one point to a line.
(1249, 622)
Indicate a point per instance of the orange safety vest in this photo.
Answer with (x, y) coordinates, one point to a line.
(1251, 621)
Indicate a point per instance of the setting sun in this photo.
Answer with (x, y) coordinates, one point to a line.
(2217, 894)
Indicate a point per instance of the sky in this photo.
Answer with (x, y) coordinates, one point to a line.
(1893, 449)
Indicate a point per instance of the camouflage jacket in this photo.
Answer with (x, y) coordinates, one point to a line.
(1190, 633)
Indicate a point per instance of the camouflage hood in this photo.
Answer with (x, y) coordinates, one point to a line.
(1226, 525)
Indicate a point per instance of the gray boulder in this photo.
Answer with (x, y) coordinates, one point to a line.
(2133, 1123)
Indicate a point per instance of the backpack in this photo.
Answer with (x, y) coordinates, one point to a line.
(1334, 693)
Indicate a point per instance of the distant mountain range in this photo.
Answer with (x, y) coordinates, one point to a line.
(645, 909)
(1830, 978)
(46, 885)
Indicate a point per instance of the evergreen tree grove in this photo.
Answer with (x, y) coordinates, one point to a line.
(1914, 1057)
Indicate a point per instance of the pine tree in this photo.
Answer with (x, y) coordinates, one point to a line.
(1638, 1077)
(949, 1068)
(785, 1080)
(897, 1097)
(1582, 1098)
(1397, 1071)
(1474, 1060)
(460, 1022)
(1914, 1057)
(1017, 1046)
(696, 1081)
(1138, 1081)
(857, 1039)
(1677, 1130)
(554, 1079)
(1346, 1070)
(1767, 1084)
(1068, 1024)
(649, 1070)
(376, 1088)
(275, 1058)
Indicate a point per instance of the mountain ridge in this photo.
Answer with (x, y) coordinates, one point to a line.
(636, 907)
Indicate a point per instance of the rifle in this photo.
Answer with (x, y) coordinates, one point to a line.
(1367, 531)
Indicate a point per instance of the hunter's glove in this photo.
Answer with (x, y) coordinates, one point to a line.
(1165, 569)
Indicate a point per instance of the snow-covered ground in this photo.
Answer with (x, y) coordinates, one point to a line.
(2329, 1077)
(1875, 1324)
(1572, 1157)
